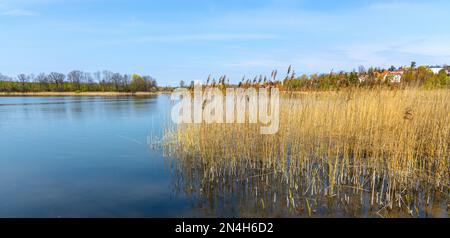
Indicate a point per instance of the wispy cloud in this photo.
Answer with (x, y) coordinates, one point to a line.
(18, 13)
(205, 37)
(189, 38)
(429, 47)
(258, 63)
(20, 8)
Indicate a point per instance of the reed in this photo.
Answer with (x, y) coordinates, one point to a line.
(386, 151)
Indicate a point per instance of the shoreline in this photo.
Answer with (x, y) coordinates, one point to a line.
(104, 94)
(123, 94)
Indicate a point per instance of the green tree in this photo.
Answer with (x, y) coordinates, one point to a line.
(353, 78)
(443, 78)
(137, 83)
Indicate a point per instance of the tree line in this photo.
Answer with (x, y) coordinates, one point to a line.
(412, 76)
(107, 81)
(78, 81)
(373, 77)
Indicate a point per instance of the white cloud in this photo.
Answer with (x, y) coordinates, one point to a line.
(21, 8)
(258, 63)
(428, 47)
(180, 38)
(205, 37)
(18, 13)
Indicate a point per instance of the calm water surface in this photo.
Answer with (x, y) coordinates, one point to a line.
(85, 157)
(90, 157)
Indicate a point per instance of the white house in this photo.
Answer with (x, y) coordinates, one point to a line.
(394, 77)
(436, 69)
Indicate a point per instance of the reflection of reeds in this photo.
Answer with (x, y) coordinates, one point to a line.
(371, 152)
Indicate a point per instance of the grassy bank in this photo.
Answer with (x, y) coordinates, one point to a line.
(363, 152)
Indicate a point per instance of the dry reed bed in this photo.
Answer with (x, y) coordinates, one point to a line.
(392, 148)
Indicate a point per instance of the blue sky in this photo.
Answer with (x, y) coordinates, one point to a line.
(178, 39)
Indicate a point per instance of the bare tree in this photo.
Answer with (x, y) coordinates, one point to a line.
(57, 78)
(117, 80)
(97, 76)
(43, 81)
(362, 70)
(149, 81)
(126, 81)
(107, 76)
(23, 79)
(106, 79)
(88, 78)
(76, 77)
(41, 78)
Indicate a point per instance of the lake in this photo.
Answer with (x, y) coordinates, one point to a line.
(85, 157)
(96, 157)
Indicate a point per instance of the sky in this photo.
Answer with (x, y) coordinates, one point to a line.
(175, 40)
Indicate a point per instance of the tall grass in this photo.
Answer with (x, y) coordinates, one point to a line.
(384, 152)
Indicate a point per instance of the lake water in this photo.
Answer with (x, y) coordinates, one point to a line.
(85, 157)
(90, 157)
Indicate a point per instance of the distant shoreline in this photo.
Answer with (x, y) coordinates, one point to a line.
(105, 94)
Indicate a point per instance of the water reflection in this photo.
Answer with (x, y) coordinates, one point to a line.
(84, 157)
(242, 190)
(88, 157)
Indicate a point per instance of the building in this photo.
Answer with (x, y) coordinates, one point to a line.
(363, 78)
(447, 68)
(393, 77)
(436, 69)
